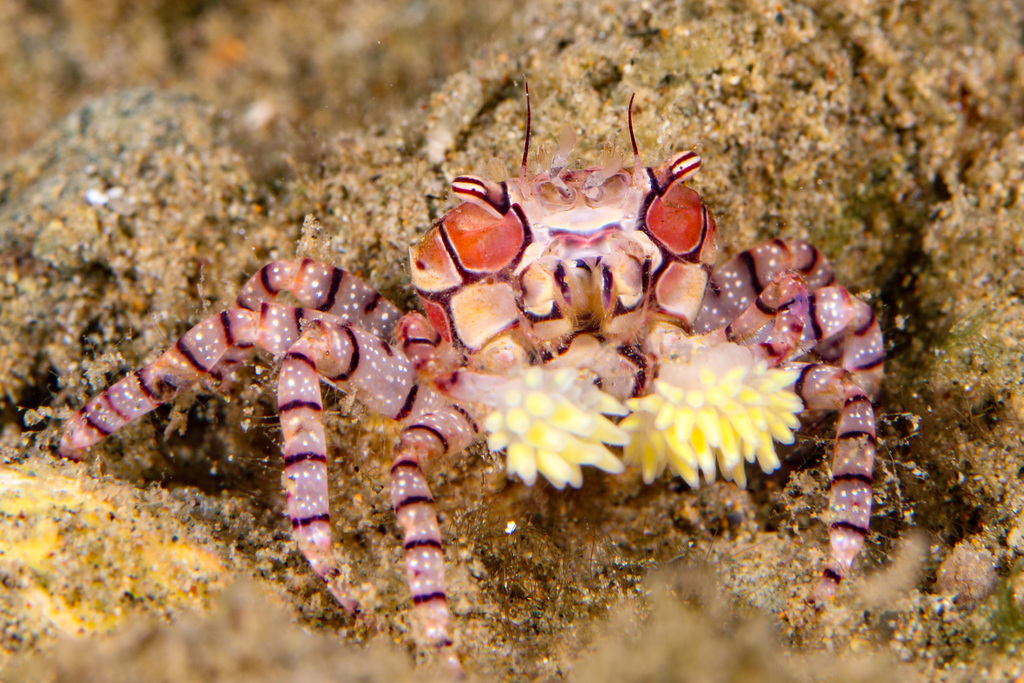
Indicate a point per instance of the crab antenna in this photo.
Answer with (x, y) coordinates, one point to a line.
(632, 137)
(526, 151)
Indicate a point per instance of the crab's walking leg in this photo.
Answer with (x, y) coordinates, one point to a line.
(209, 346)
(736, 284)
(852, 340)
(828, 388)
(355, 361)
(428, 437)
(360, 363)
(324, 288)
(780, 298)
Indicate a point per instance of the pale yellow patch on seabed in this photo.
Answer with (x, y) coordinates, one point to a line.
(77, 553)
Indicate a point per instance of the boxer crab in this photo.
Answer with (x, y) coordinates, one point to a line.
(569, 316)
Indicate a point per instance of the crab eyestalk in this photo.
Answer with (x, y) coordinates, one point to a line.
(721, 406)
(553, 422)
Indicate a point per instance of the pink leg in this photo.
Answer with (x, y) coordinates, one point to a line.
(736, 284)
(428, 437)
(201, 350)
(823, 387)
(779, 296)
(358, 362)
(323, 288)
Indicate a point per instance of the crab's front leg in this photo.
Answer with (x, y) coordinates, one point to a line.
(386, 382)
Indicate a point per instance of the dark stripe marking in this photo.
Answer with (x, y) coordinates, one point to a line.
(294, 405)
(353, 362)
(832, 575)
(265, 279)
(863, 329)
(296, 458)
(114, 409)
(96, 425)
(853, 476)
(420, 599)
(765, 308)
(860, 398)
(410, 399)
(423, 543)
(189, 356)
(411, 464)
(146, 389)
(815, 257)
(301, 357)
(812, 313)
(332, 291)
(225, 325)
(747, 259)
(372, 304)
(798, 386)
(299, 522)
(850, 526)
(870, 365)
(413, 500)
(856, 434)
(469, 418)
(432, 430)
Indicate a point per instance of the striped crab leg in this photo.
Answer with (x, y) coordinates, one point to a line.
(780, 297)
(323, 288)
(736, 284)
(427, 438)
(387, 384)
(215, 344)
(204, 349)
(828, 388)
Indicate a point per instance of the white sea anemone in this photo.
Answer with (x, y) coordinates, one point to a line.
(553, 421)
(720, 405)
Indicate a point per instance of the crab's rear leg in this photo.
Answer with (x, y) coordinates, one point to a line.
(736, 284)
(218, 343)
(828, 388)
(783, 320)
(849, 381)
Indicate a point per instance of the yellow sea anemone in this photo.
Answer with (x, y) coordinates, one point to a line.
(552, 421)
(719, 405)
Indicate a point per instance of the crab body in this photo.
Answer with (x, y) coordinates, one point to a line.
(571, 318)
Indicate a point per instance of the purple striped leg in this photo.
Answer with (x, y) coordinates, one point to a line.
(212, 346)
(385, 381)
(736, 284)
(827, 388)
(324, 288)
(780, 297)
(429, 437)
(357, 362)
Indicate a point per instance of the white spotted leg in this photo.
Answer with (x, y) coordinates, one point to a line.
(427, 438)
(828, 388)
(324, 288)
(779, 298)
(386, 382)
(210, 346)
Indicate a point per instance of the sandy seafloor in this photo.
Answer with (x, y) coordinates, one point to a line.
(889, 134)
